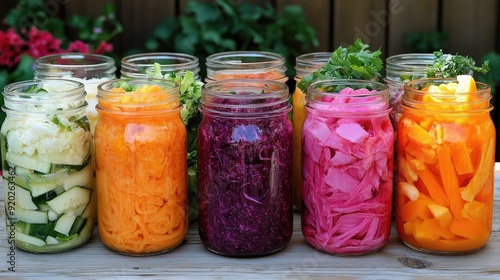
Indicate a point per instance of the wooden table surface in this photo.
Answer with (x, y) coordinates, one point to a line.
(297, 261)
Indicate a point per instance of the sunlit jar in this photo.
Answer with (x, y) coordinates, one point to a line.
(445, 154)
(347, 167)
(304, 65)
(176, 65)
(141, 165)
(48, 168)
(89, 69)
(246, 65)
(245, 167)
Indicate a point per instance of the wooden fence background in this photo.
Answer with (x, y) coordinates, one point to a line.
(473, 26)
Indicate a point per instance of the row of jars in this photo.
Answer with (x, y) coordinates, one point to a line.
(339, 150)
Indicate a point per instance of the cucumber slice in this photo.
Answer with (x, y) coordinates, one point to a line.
(71, 199)
(31, 216)
(24, 199)
(21, 237)
(77, 225)
(80, 178)
(52, 215)
(39, 188)
(66, 244)
(51, 240)
(65, 222)
(40, 230)
(28, 162)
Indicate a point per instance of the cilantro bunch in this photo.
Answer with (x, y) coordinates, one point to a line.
(353, 62)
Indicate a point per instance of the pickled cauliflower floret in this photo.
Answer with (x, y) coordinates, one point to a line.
(57, 140)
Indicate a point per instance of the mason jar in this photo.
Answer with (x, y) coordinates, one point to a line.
(245, 167)
(304, 65)
(347, 167)
(184, 69)
(48, 168)
(445, 153)
(246, 65)
(141, 165)
(89, 69)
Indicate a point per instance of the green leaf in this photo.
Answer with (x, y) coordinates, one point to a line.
(24, 70)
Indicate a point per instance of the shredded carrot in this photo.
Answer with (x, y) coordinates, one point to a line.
(141, 181)
(267, 75)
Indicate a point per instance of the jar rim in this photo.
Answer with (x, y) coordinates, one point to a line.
(130, 101)
(413, 96)
(135, 65)
(309, 62)
(76, 60)
(244, 97)
(72, 95)
(347, 96)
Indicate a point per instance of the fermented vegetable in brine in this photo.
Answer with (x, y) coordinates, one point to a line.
(141, 167)
(47, 165)
(446, 159)
(347, 171)
(245, 165)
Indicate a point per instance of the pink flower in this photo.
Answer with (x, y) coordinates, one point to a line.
(103, 48)
(42, 43)
(78, 46)
(12, 46)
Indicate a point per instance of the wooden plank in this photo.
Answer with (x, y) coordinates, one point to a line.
(297, 261)
(360, 19)
(407, 16)
(317, 14)
(139, 19)
(471, 26)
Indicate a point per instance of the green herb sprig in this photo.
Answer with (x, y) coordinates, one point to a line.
(353, 62)
(450, 66)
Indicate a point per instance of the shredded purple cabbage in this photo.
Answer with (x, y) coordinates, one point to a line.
(245, 184)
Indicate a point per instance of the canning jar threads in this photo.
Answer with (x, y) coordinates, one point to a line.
(445, 154)
(89, 69)
(305, 64)
(48, 167)
(141, 167)
(246, 65)
(245, 167)
(347, 167)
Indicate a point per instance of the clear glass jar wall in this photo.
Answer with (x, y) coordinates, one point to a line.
(445, 153)
(304, 65)
(175, 66)
(48, 165)
(141, 167)
(89, 69)
(347, 167)
(245, 167)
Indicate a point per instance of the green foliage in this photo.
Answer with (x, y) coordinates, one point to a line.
(426, 42)
(353, 62)
(450, 66)
(492, 78)
(226, 25)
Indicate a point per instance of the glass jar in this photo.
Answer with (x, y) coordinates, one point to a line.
(141, 167)
(245, 167)
(174, 66)
(142, 65)
(445, 153)
(347, 167)
(246, 65)
(89, 69)
(47, 165)
(304, 65)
